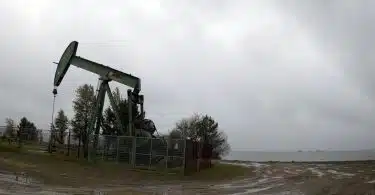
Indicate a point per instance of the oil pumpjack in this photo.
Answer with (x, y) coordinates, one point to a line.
(140, 126)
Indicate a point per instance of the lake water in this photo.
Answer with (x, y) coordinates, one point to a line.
(302, 156)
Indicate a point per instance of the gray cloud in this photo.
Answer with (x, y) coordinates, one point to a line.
(277, 76)
(345, 30)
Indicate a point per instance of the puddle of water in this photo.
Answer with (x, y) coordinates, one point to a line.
(341, 173)
(255, 190)
(52, 193)
(21, 179)
(82, 191)
(240, 185)
(21, 184)
(316, 172)
(250, 164)
(287, 193)
(290, 172)
(157, 190)
(258, 165)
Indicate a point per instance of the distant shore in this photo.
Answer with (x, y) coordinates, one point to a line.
(303, 162)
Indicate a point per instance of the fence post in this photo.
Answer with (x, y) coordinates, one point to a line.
(184, 158)
(130, 149)
(199, 156)
(134, 151)
(166, 161)
(103, 147)
(87, 148)
(69, 143)
(150, 155)
(118, 147)
(19, 139)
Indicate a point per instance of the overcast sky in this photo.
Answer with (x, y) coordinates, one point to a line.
(276, 75)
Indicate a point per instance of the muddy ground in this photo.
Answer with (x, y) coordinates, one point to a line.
(341, 178)
(268, 178)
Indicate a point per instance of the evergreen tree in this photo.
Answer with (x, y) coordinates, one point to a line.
(27, 130)
(60, 127)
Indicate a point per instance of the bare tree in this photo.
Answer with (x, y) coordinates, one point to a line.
(83, 105)
(10, 128)
(202, 128)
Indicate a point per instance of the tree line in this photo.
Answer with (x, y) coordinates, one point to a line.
(197, 127)
(24, 128)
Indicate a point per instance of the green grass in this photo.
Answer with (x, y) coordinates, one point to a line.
(62, 170)
(4, 147)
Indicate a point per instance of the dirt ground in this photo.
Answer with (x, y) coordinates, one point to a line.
(34, 174)
(270, 179)
(341, 178)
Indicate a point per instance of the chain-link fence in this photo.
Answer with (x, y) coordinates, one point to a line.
(140, 152)
(162, 153)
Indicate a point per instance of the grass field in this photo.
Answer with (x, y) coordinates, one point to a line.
(57, 169)
(72, 176)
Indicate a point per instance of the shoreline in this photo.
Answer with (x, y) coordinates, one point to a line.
(302, 162)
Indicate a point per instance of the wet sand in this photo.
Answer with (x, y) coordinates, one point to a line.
(342, 178)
